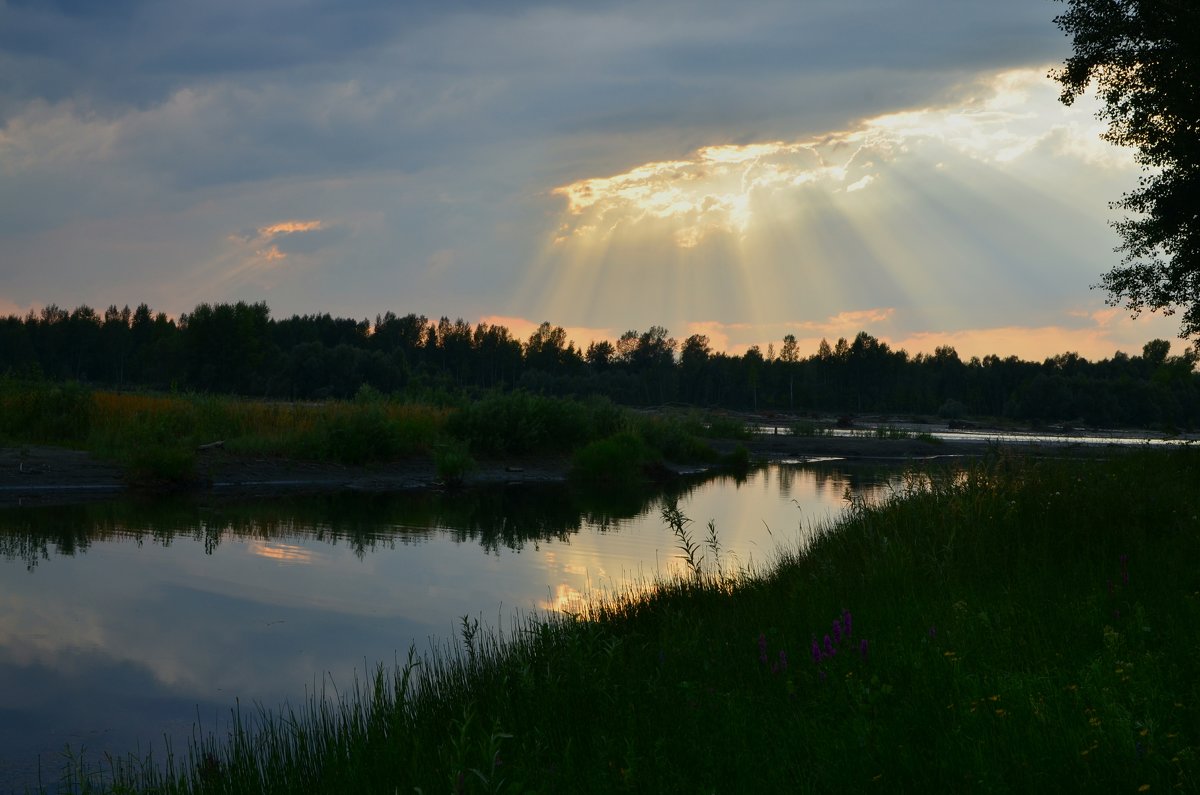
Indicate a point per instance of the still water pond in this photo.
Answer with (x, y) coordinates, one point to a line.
(124, 624)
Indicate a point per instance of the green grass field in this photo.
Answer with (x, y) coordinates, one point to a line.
(1023, 626)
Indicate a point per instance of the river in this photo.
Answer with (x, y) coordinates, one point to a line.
(128, 624)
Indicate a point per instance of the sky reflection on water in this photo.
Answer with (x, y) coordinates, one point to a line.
(132, 628)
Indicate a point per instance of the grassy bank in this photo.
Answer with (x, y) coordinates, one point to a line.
(1027, 626)
(156, 438)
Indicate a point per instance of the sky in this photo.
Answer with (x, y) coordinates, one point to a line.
(740, 170)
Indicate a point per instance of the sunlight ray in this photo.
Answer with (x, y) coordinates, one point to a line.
(925, 209)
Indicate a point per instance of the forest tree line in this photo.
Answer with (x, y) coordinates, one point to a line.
(240, 349)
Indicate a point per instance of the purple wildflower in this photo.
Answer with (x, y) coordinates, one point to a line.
(862, 649)
(782, 660)
(847, 623)
(837, 631)
(830, 649)
(816, 651)
(762, 648)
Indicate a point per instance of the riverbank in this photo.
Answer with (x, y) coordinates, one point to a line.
(64, 444)
(50, 475)
(1029, 626)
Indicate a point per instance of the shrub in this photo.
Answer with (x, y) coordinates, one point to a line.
(618, 459)
(518, 423)
(717, 426)
(160, 465)
(359, 435)
(670, 437)
(453, 461)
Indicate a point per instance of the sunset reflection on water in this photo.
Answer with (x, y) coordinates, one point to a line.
(283, 553)
(165, 619)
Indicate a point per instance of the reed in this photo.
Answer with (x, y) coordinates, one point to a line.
(155, 437)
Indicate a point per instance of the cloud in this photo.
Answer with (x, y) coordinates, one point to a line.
(276, 241)
(288, 227)
(139, 52)
(429, 137)
(718, 189)
(255, 258)
(219, 92)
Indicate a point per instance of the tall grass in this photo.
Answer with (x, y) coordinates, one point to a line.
(155, 437)
(1026, 626)
(51, 413)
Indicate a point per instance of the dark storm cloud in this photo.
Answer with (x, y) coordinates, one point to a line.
(130, 51)
(224, 91)
(200, 95)
(138, 52)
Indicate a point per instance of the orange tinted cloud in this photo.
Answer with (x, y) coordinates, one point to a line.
(271, 253)
(288, 227)
(264, 252)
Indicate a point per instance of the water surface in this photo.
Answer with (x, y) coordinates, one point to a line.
(124, 625)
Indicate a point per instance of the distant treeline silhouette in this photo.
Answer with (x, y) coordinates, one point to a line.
(239, 349)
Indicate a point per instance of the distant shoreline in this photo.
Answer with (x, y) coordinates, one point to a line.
(32, 475)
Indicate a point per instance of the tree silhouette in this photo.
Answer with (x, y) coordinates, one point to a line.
(1144, 56)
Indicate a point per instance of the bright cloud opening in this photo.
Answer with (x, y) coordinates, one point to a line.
(723, 188)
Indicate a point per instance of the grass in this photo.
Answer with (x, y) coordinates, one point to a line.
(1022, 626)
(521, 423)
(156, 438)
